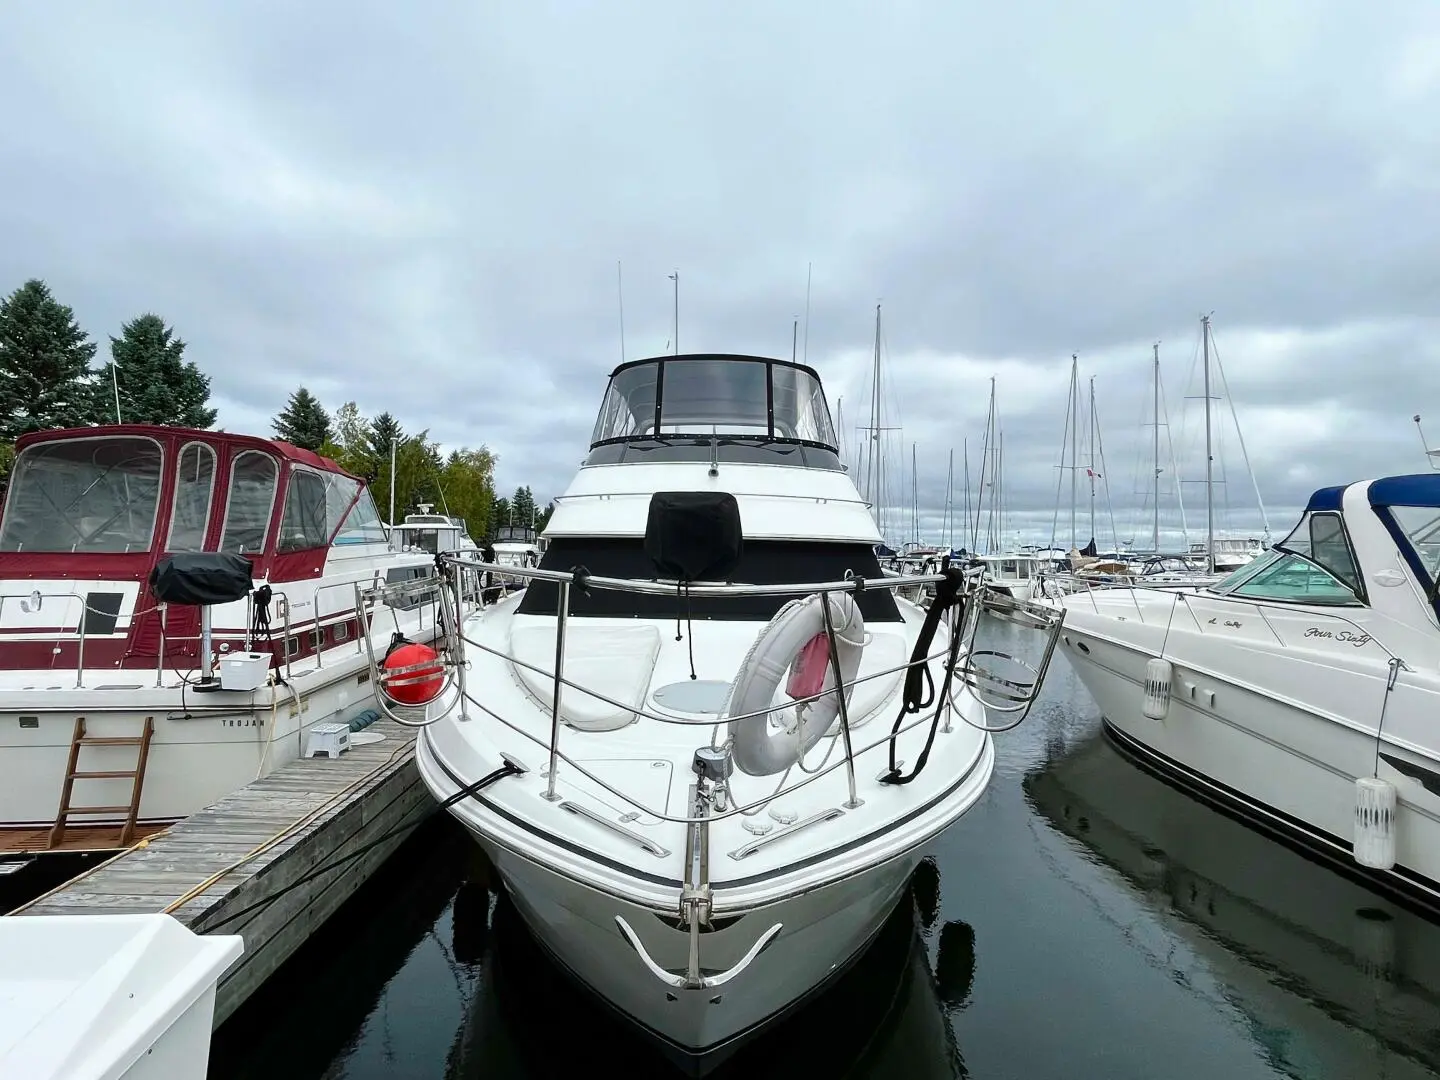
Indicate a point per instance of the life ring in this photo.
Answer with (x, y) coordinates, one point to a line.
(789, 642)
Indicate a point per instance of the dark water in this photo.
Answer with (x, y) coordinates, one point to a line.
(1085, 920)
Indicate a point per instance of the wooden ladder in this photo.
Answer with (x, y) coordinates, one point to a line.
(73, 773)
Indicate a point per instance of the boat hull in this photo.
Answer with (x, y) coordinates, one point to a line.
(825, 929)
(203, 747)
(1279, 767)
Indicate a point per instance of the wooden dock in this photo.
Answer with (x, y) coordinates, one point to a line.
(246, 853)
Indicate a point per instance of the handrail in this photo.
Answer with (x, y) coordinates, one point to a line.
(79, 634)
(454, 666)
(750, 495)
(1316, 610)
(662, 587)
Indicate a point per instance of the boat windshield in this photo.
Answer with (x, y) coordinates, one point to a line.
(1287, 577)
(84, 495)
(704, 396)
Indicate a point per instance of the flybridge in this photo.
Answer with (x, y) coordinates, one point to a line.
(707, 396)
(127, 494)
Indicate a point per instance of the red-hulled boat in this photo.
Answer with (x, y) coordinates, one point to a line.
(123, 549)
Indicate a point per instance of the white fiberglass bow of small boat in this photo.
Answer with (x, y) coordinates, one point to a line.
(106, 997)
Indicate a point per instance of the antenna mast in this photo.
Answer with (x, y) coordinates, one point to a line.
(620, 295)
(675, 277)
(808, 267)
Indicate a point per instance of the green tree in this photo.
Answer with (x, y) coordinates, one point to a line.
(544, 520)
(384, 431)
(500, 516)
(303, 422)
(45, 377)
(157, 384)
(523, 506)
(349, 443)
(468, 490)
(7, 462)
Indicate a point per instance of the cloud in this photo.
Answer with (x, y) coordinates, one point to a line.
(422, 208)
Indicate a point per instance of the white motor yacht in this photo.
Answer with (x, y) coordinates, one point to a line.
(699, 838)
(426, 530)
(1301, 690)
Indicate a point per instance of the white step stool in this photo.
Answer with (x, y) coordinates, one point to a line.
(332, 740)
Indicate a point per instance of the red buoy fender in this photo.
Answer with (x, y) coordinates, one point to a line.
(421, 683)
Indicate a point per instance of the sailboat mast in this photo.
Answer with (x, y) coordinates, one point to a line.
(1091, 469)
(1156, 507)
(999, 504)
(914, 497)
(1209, 457)
(950, 502)
(873, 492)
(965, 452)
(1074, 442)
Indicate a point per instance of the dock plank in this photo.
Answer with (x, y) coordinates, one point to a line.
(342, 805)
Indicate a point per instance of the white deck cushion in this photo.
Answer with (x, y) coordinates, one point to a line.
(884, 651)
(616, 661)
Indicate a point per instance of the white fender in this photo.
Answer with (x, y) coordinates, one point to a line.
(1375, 823)
(759, 749)
(1158, 674)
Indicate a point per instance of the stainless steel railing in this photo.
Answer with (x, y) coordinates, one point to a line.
(1188, 596)
(980, 601)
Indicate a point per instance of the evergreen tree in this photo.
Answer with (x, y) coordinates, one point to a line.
(380, 435)
(499, 516)
(544, 520)
(45, 377)
(523, 506)
(304, 422)
(7, 463)
(384, 431)
(157, 385)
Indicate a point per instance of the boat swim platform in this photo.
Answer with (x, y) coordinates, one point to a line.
(238, 866)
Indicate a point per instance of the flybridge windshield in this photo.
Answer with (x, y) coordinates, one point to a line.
(91, 495)
(701, 396)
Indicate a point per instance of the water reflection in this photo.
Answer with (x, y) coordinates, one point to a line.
(430, 973)
(886, 1014)
(1331, 979)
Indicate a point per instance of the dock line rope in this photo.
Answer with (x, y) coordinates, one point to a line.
(919, 693)
(303, 819)
(469, 791)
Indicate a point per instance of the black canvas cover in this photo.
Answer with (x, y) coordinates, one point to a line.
(201, 578)
(694, 535)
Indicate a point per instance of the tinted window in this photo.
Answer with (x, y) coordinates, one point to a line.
(90, 495)
(253, 477)
(304, 524)
(714, 395)
(362, 525)
(194, 487)
(1288, 577)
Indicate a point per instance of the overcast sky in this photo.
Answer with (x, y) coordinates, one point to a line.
(422, 210)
